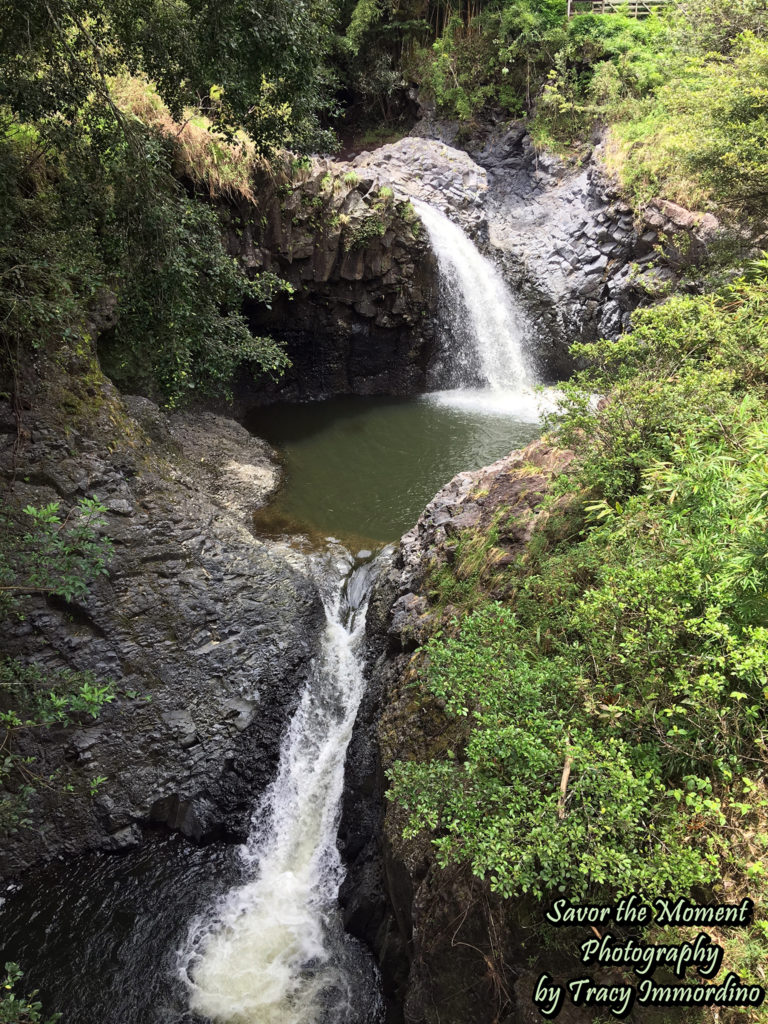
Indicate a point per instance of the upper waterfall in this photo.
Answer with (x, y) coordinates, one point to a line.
(481, 307)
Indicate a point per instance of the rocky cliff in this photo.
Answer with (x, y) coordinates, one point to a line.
(578, 256)
(360, 319)
(450, 950)
(205, 631)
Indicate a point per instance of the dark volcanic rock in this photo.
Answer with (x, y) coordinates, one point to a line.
(443, 940)
(206, 631)
(580, 258)
(360, 318)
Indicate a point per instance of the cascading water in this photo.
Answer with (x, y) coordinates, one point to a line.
(488, 330)
(274, 951)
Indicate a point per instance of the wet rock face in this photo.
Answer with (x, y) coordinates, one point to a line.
(206, 631)
(443, 940)
(361, 316)
(581, 258)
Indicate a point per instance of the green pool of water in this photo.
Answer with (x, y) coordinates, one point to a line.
(362, 469)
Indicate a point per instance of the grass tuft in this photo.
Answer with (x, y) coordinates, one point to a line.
(225, 168)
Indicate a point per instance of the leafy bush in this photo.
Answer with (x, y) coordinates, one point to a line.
(370, 228)
(260, 68)
(711, 122)
(54, 556)
(499, 804)
(494, 57)
(636, 656)
(101, 213)
(60, 558)
(16, 1009)
(688, 121)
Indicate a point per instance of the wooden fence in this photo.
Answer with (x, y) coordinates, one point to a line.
(635, 8)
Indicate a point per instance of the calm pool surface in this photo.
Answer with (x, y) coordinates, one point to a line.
(362, 469)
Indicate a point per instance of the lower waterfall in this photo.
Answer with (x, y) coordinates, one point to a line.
(175, 933)
(273, 950)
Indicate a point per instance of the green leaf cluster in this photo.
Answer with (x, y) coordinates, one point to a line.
(260, 67)
(615, 700)
(58, 557)
(18, 1009)
(53, 555)
(97, 219)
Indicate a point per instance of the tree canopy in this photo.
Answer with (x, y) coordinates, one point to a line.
(257, 66)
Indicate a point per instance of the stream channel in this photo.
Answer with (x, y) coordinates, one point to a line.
(172, 932)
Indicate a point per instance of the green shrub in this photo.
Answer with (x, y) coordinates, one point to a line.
(58, 558)
(17, 1009)
(498, 804)
(104, 214)
(367, 230)
(632, 646)
(687, 123)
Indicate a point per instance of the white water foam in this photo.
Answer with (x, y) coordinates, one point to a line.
(270, 953)
(528, 405)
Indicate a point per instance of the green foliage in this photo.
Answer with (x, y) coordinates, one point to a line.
(455, 71)
(684, 91)
(53, 556)
(260, 67)
(370, 228)
(39, 698)
(34, 698)
(59, 557)
(179, 328)
(48, 270)
(498, 805)
(714, 119)
(98, 213)
(371, 50)
(365, 16)
(684, 367)
(637, 653)
(17, 1009)
(490, 54)
(712, 26)
(90, 204)
(685, 97)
